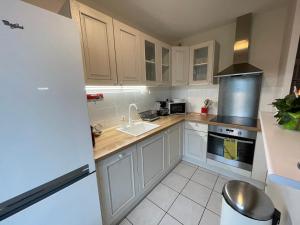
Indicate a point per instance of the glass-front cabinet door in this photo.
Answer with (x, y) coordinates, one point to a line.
(150, 61)
(165, 65)
(202, 63)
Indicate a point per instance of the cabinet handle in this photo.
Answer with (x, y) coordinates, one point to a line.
(121, 156)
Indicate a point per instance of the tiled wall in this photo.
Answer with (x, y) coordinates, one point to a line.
(110, 110)
(195, 97)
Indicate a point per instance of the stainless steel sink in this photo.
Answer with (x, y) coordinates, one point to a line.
(138, 128)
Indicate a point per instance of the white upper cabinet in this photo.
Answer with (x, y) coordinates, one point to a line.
(164, 53)
(97, 44)
(150, 62)
(180, 65)
(202, 63)
(127, 43)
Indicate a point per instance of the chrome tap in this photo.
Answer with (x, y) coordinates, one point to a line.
(129, 115)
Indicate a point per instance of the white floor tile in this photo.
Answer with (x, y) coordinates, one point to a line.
(189, 164)
(163, 196)
(146, 213)
(185, 170)
(125, 222)
(210, 218)
(205, 178)
(208, 171)
(215, 202)
(220, 183)
(186, 211)
(169, 220)
(197, 192)
(175, 181)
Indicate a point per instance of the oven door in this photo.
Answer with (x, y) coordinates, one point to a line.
(245, 150)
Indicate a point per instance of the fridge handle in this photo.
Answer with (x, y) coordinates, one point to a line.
(22, 201)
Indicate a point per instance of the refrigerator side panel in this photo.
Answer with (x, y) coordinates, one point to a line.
(44, 120)
(77, 204)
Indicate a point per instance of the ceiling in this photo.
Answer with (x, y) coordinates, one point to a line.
(172, 20)
(52, 5)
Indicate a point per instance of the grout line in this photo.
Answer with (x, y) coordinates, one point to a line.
(213, 212)
(128, 220)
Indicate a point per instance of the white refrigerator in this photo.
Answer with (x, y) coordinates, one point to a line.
(47, 171)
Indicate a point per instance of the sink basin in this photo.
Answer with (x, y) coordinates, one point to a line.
(138, 128)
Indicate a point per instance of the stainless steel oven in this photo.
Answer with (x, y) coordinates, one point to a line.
(245, 146)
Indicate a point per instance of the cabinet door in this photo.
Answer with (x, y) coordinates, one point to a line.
(150, 62)
(164, 53)
(151, 161)
(117, 181)
(180, 65)
(174, 145)
(97, 44)
(127, 42)
(202, 63)
(195, 145)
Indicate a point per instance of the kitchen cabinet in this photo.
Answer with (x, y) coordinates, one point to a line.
(164, 74)
(117, 176)
(151, 161)
(195, 146)
(98, 47)
(180, 65)
(127, 44)
(202, 63)
(150, 61)
(174, 145)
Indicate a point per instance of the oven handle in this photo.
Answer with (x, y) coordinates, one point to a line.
(241, 141)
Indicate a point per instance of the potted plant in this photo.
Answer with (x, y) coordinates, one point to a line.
(288, 111)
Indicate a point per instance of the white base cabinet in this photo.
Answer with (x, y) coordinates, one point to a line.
(126, 177)
(117, 176)
(195, 145)
(174, 145)
(151, 161)
(195, 142)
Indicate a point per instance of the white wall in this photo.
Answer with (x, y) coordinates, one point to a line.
(110, 110)
(265, 52)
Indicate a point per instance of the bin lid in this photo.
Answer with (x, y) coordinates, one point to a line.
(248, 200)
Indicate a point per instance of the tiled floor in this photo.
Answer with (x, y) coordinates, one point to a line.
(189, 195)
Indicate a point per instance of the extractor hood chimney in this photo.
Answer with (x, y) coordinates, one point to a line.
(241, 66)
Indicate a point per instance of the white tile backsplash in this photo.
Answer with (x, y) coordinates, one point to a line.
(109, 111)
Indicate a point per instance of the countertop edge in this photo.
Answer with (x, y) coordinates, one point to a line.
(283, 174)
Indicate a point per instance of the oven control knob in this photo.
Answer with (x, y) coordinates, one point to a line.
(240, 133)
(220, 130)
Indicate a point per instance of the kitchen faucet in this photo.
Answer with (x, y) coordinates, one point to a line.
(129, 115)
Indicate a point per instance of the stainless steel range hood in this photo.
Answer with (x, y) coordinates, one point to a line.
(241, 66)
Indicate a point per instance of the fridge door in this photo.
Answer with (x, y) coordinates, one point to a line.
(77, 204)
(44, 120)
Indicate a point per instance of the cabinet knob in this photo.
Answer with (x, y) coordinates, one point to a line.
(121, 156)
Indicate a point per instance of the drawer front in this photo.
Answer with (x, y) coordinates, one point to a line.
(196, 126)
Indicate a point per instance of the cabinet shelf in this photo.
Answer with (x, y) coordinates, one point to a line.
(149, 61)
(200, 64)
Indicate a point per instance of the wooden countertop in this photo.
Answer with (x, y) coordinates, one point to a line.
(111, 140)
(282, 152)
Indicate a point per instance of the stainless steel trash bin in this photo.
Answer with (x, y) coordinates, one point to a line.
(245, 204)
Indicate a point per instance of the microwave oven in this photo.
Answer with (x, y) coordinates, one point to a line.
(177, 107)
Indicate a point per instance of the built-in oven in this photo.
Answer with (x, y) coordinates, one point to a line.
(243, 147)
